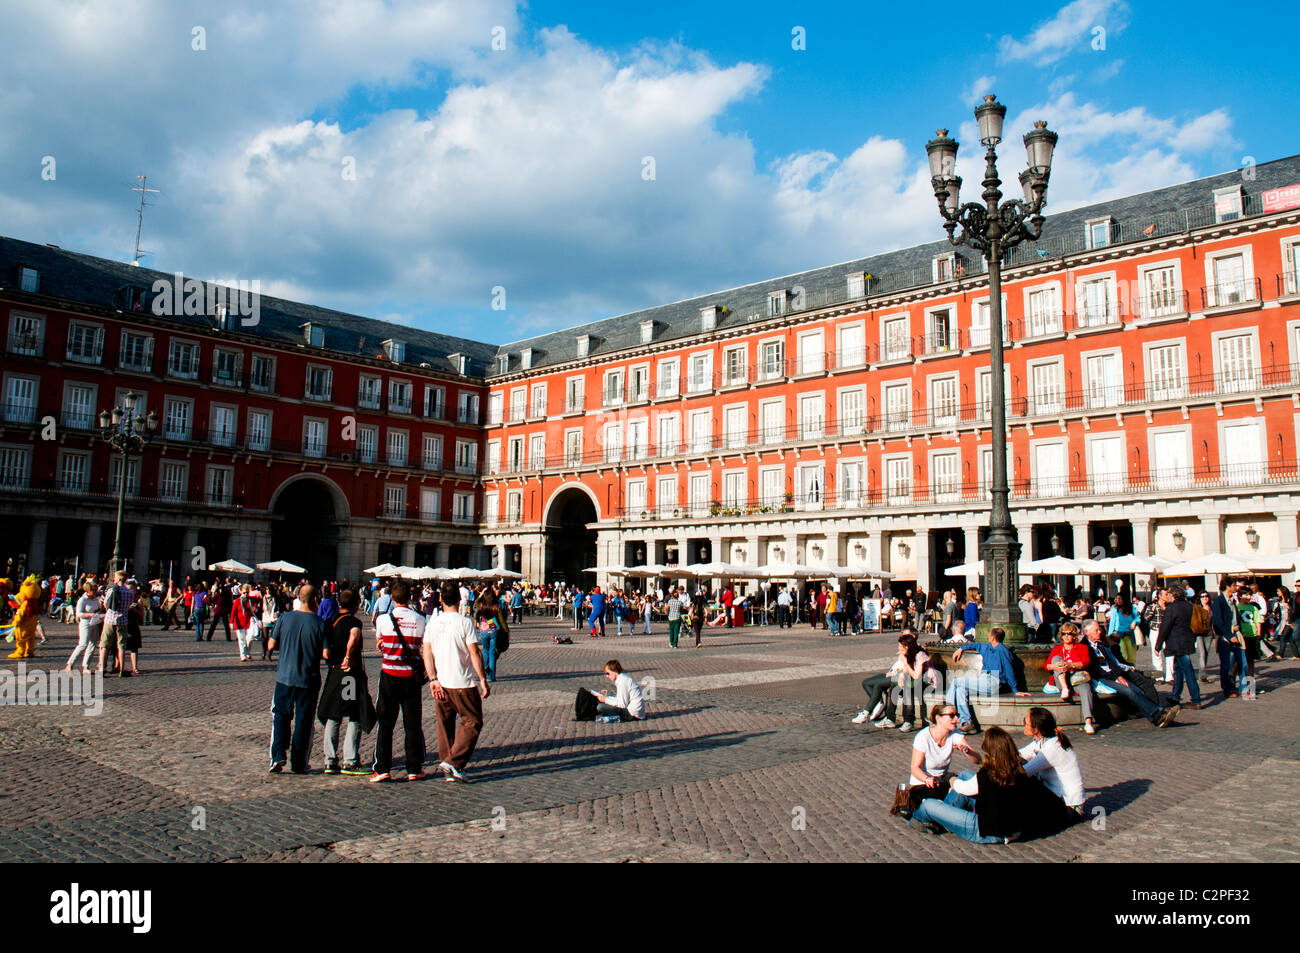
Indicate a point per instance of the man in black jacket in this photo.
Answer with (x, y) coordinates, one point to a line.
(1177, 639)
(1231, 646)
(222, 605)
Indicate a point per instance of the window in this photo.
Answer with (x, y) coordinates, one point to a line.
(776, 304)
(898, 406)
(852, 345)
(1237, 366)
(537, 451)
(708, 318)
(698, 497)
(1169, 458)
(226, 367)
(771, 360)
(493, 462)
(771, 482)
(399, 397)
(320, 383)
(647, 332)
(136, 353)
(897, 345)
(397, 446)
(85, 343)
(573, 395)
(1241, 452)
(852, 412)
(313, 335)
(1105, 389)
(613, 436)
(222, 431)
(943, 401)
(669, 379)
(466, 456)
(1229, 285)
(701, 431)
(1160, 294)
(942, 332)
(1106, 464)
(515, 455)
(636, 498)
(809, 485)
(463, 507)
(79, 406)
(1098, 232)
(261, 373)
(666, 495)
(258, 434)
(496, 401)
(395, 501)
(29, 279)
(219, 483)
(25, 334)
(944, 267)
(1227, 204)
(733, 365)
(176, 419)
(491, 504)
(1165, 370)
(518, 401)
(735, 423)
(945, 476)
(115, 475)
(850, 490)
(395, 351)
(584, 345)
(573, 448)
(812, 354)
(638, 439)
(1097, 302)
(183, 359)
(1049, 469)
(1044, 309)
(431, 452)
(503, 364)
(855, 285)
(984, 387)
(771, 420)
(1291, 268)
(613, 388)
(898, 480)
(430, 505)
(20, 400)
(314, 433)
(735, 493)
(172, 480)
(435, 402)
(367, 443)
(467, 408)
(538, 401)
(701, 373)
(670, 435)
(812, 416)
(515, 506)
(1046, 388)
(368, 392)
(74, 472)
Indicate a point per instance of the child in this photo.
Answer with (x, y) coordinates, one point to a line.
(486, 619)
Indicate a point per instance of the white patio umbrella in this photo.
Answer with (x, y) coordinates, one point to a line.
(506, 574)
(1270, 564)
(861, 571)
(1212, 564)
(709, 570)
(783, 570)
(966, 569)
(1121, 565)
(1058, 566)
(613, 569)
(281, 566)
(404, 572)
(428, 572)
(231, 565)
(648, 571)
(383, 569)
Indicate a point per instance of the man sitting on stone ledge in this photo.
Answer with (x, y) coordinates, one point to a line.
(998, 676)
(1107, 670)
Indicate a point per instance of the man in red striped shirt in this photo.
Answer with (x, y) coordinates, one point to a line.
(399, 635)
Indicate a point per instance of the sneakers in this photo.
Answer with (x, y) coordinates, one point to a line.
(417, 776)
(331, 768)
(352, 768)
(1089, 729)
(905, 726)
(1168, 715)
(451, 772)
(276, 767)
(878, 710)
(861, 716)
(380, 776)
(885, 723)
(968, 728)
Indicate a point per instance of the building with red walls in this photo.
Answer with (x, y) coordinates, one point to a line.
(837, 415)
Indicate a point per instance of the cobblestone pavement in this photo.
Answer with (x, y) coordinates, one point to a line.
(749, 755)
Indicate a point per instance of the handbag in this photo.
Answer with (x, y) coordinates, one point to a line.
(413, 660)
(902, 800)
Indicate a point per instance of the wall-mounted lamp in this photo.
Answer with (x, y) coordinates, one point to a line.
(1179, 540)
(904, 550)
(1114, 541)
(859, 550)
(950, 544)
(1252, 537)
(1056, 542)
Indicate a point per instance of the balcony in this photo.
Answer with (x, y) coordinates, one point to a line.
(979, 337)
(80, 420)
(183, 370)
(26, 343)
(1288, 284)
(1163, 304)
(896, 349)
(1241, 294)
(368, 400)
(1044, 324)
(86, 353)
(399, 405)
(941, 342)
(467, 415)
(1097, 316)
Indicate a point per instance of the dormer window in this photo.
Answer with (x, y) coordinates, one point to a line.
(462, 364)
(503, 364)
(584, 345)
(856, 285)
(1099, 232)
(526, 358)
(29, 279)
(132, 298)
(1228, 204)
(314, 335)
(944, 267)
(776, 302)
(395, 351)
(708, 318)
(647, 332)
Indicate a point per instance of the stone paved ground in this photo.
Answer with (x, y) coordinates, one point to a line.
(749, 755)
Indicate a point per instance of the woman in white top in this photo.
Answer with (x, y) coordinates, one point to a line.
(1050, 756)
(90, 620)
(932, 750)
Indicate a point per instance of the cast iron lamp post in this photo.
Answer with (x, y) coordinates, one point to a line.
(993, 228)
(127, 432)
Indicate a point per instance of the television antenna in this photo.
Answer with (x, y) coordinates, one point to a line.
(142, 188)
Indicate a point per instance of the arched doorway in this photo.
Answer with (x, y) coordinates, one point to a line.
(570, 545)
(307, 527)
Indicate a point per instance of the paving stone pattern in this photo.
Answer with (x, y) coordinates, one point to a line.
(749, 756)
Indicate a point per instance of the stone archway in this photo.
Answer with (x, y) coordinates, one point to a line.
(309, 517)
(570, 545)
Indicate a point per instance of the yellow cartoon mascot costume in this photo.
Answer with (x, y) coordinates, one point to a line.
(26, 616)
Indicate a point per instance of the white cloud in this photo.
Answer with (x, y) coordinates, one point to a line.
(975, 92)
(1073, 24)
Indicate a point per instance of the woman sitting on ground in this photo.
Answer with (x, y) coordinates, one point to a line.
(999, 804)
(1051, 758)
(1068, 662)
(932, 755)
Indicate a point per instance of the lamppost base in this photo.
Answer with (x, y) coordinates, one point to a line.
(1016, 633)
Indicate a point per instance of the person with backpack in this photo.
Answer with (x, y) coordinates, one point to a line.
(399, 638)
(345, 698)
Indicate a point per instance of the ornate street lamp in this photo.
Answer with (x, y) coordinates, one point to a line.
(993, 228)
(127, 432)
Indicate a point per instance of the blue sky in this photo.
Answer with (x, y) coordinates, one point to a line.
(525, 167)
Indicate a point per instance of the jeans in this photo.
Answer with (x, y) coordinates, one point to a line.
(351, 742)
(984, 684)
(487, 641)
(1183, 672)
(618, 623)
(1231, 654)
(783, 616)
(878, 689)
(1288, 636)
(298, 704)
(222, 619)
(621, 713)
(197, 619)
(1145, 706)
(956, 812)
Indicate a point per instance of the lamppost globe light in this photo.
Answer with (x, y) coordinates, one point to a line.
(943, 156)
(117, 416)
(1029, 183)
(151, 421)
(128, 402)
(989, 115)
(105, 420)
(1040, 142)
(952, 200)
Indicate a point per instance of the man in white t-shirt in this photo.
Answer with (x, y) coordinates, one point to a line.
(454, 663)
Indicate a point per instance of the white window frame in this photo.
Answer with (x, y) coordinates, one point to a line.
(96, 355)
(82, 485)
(1243, 473)
(431, 451)
(1174, 306)
(953, 414)
(673, 386)
(850, 424)
(537, 400)
(950, 341)
(396, 405)
(367, 443)
(1110, 396)
(947, 492)
(173, 346)
(810, 361)
(183, 490)
(574, 395)
(813, 428)
(403, 438)
(310, 449)
(894, 492)
(249, 430)
(1043, 325)
(735, 359)
(1056, 486)
(1169, 481)
(896, 420)
(770, 435)
(188, 403)
(900, 347)
(1087, 316)
(214, 499)
(89, 418)
(329, 383)
(1237, 384)
(1177, 392)
(223, 439)
(269, 361)
(700, 382)
(1215, 294)
(771, 370)
(1036, 405)
(1092, 240)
